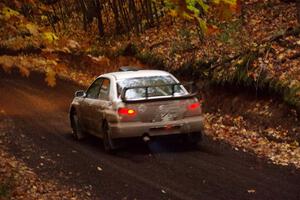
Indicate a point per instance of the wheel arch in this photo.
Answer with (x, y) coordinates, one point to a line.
(72, 111)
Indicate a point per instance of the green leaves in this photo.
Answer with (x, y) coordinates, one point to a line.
(196, 10)
(202, 25)
(231, 2)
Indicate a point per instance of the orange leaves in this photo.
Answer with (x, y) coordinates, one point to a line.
(32, 28)
(173, 13)
(225, 9)
(237, 8)
(25, 64)
(8, 64)
(212, 30)
(24, 71)
(50, 77)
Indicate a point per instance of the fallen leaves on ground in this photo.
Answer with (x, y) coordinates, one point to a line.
(274, 143)
(17, 181)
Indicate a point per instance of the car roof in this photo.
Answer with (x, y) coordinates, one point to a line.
(139, 73)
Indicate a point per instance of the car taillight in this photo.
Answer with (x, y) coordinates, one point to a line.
(126, 111)
(193, 106)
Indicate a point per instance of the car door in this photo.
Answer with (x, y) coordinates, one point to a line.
(101, 106)
(87, 105)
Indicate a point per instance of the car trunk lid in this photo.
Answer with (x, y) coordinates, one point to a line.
(160, 111)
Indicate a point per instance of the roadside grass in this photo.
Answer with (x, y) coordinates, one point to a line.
(6, 188)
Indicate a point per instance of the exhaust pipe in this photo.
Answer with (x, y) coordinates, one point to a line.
(146, 138)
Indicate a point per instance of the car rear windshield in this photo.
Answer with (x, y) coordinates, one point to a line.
(158, 86)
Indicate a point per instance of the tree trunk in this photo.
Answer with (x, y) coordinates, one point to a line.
(298, 10)
(113, 5)
(84, 16)
(99, 18)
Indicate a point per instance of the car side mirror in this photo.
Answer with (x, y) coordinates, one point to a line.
(80, 93)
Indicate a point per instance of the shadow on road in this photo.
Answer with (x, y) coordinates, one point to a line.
(156, 146)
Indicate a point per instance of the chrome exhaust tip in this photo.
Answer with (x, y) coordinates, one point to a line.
(146, 138)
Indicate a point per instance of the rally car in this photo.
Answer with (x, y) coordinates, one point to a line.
(136, 103)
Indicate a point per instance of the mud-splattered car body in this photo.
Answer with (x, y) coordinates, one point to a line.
(139, 103)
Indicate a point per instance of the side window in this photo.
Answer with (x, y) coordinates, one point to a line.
(94, 89)
(104, 91)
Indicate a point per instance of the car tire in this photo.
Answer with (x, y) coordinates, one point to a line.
(108, 143)
(76, 128)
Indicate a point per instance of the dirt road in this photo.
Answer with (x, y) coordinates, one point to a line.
(41, 137)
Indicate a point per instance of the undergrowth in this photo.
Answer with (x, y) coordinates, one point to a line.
(237, 73)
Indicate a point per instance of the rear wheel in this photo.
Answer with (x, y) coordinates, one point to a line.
(107, 141)
(76, 127)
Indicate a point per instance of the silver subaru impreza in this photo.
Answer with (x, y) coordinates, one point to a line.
(136, 103)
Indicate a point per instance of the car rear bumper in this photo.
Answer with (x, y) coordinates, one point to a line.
(138, 129)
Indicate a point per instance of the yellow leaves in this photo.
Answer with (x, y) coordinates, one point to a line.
(188, 17)
(184, 15)
(240, 61)
(188, 10)
(44, 18)
(7, 13)
(21, 32)
(49, 37)
(202, 25)
(173, 13)
(293, 83)
(32, 28)
(231, 2)
(203, 5)
(50, 77)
